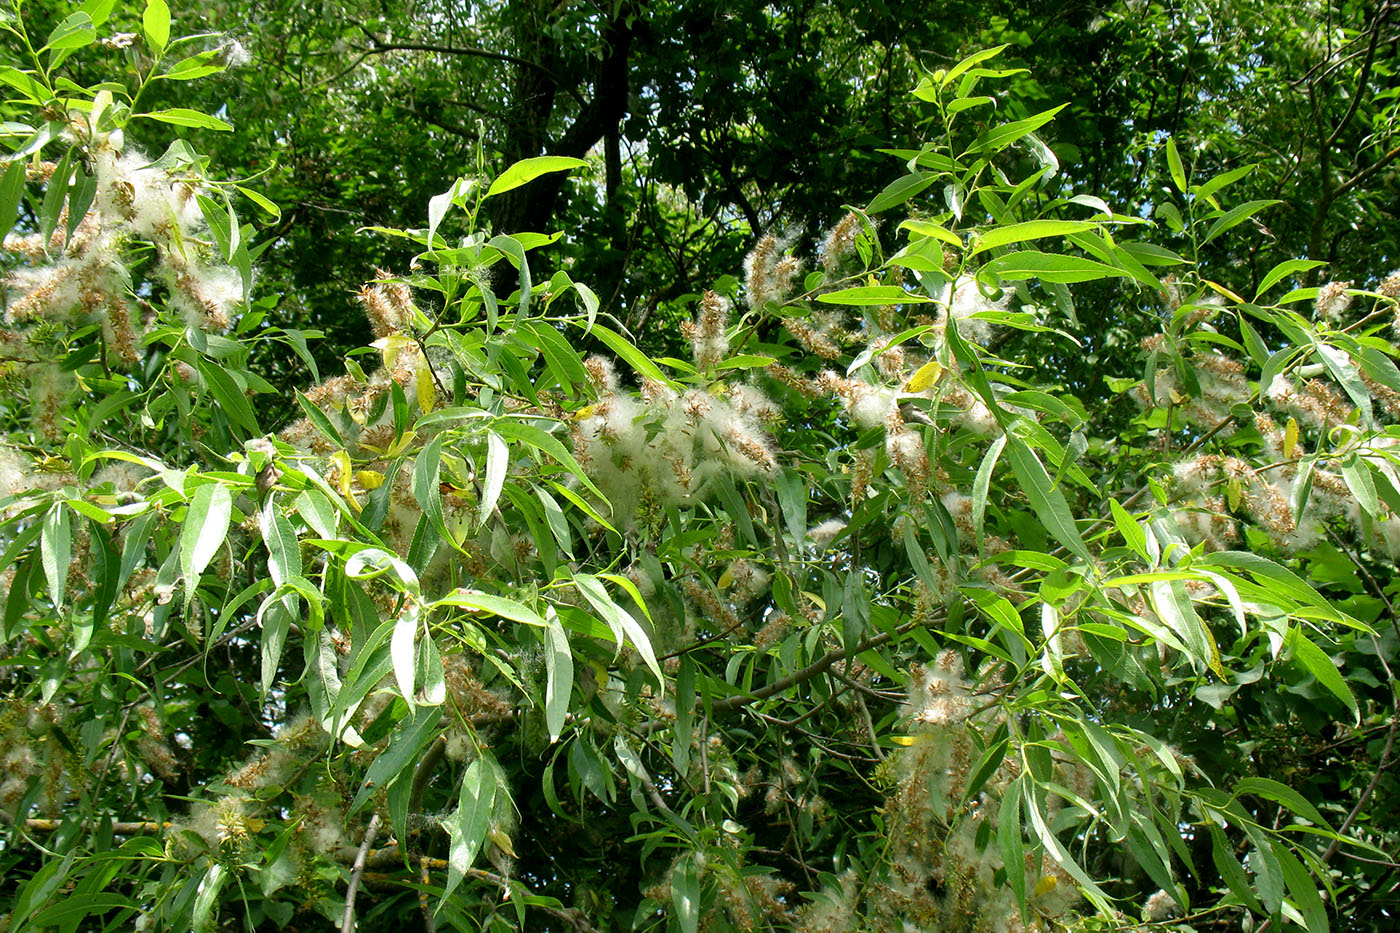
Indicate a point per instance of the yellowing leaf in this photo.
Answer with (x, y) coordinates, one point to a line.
(585, 412)
(1290, 438)
(1221, 289)
(905, 740)
(370, 479)
(502, 842)
(390, 346)
(1233, 492)
(427, 396)
(344, 474)
(1045, 885)
(924, 377)
(726, 579)
(399, 445)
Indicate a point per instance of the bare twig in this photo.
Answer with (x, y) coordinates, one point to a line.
(570, 916)
(347, 924)
(136, 828)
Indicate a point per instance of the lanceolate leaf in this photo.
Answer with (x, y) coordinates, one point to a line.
(467, 826)
(1050, 267)
(528, 170)
(497, 461)
(1046, 500)
(559, 671)
(1030, 230)
(1316, 662)
(202, 534)
(402, 647)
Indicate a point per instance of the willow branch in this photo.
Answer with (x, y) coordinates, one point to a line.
(1363, 78)
(134, 828)
(1365, 174)
(817, 667)
(347, 923)
(570, 916)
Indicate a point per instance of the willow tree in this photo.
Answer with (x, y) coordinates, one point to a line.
(852, 619)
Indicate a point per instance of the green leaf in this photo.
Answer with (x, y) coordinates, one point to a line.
(155, 22)
(1207, 189)
(1090, 889)
(207, 897)
(929, 229)
(1281, 582)
(319, 419)
(56, 552)
(1223, 854)
(275, 619)
(559, 672)
(11, 193)
(549, 444)
(1357, 474)
(968, 103)
(1132, 532)
(232, 401)
(496, 605)
(976, 58)
(271, 209)
(182, 116)
(901, 190)
(99, 10)
(1282, 271)
(74, 32)
(624, 627)
(872, 295)
(635, 358)
(467, 827)
(69, 911)
(1030, 230)
(1009, 839)
(1050, 267)
(497, 462)
(401, 649)
(439, 205)
(982, 484)
(528, 170)
(201, 536)
(1303, 888)
(317, 511)
(283, 551)
(986, 765)
(1318, 663)
(1047, 500)
(194, 67)
(106, 564)
(562, 359)
(1281, 794)
(1173, 606)
(1174, 166)
(1234, 217)
(405, 747)
(685, 893)
(1002, 136)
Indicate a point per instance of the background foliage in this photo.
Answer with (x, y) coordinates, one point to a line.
(970, 510)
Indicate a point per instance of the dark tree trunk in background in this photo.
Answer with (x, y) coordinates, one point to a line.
(532, 207)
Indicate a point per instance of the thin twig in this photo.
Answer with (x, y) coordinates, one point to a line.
(347, 924)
